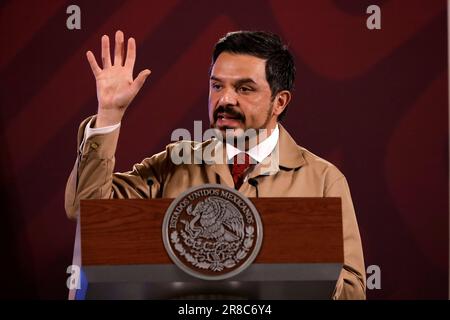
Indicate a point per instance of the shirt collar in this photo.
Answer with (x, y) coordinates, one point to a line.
(260, 151)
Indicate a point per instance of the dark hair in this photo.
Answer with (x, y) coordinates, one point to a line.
(280, 67)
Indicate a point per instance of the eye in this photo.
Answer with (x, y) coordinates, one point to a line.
(216, 86)
(245, 89)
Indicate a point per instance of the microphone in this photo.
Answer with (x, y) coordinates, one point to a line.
(254, 183)
(150, 184)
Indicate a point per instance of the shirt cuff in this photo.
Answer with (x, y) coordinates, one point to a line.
(89, 132)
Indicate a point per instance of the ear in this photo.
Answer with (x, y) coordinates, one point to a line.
(281, 101)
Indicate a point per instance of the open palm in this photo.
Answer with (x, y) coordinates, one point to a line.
(115, 85)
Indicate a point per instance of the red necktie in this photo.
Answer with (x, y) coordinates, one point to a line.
(241, 162)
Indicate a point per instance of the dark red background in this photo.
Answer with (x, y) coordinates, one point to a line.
(372, 102)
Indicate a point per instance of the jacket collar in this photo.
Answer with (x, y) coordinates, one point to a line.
(286, 155)
(290, 153)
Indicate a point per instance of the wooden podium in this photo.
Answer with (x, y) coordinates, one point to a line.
(120, 250)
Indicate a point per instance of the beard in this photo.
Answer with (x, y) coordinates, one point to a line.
(244, 135)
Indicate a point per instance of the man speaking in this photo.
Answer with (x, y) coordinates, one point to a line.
(251, 80)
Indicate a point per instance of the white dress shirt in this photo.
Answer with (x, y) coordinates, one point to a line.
(89, 132)
(260, 151)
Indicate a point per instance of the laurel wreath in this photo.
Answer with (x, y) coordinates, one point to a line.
(216, 266)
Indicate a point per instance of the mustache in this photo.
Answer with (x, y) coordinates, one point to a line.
(229, 110)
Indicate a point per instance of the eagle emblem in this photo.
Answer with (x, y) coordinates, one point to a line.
(215, 219)
(212, 232)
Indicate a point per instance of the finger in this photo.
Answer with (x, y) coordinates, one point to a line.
(93, 63)
(106, 55)
(131, 54)
(119, 49)
(140, 79)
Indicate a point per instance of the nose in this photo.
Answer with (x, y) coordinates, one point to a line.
(228, 97)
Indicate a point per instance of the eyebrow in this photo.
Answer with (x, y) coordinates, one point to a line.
(238, 82)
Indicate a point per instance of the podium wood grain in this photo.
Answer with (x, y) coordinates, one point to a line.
(296, 230)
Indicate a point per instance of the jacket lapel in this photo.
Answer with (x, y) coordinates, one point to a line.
(286, 155)
(291, 155)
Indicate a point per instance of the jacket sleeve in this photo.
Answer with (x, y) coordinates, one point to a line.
(92, 176)
(352, 280)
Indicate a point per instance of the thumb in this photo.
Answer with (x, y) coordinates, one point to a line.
(140, 79)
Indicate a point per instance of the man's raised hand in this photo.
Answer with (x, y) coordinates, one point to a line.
(115, 85)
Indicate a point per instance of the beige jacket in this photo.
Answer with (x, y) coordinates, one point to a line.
(297, 173)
